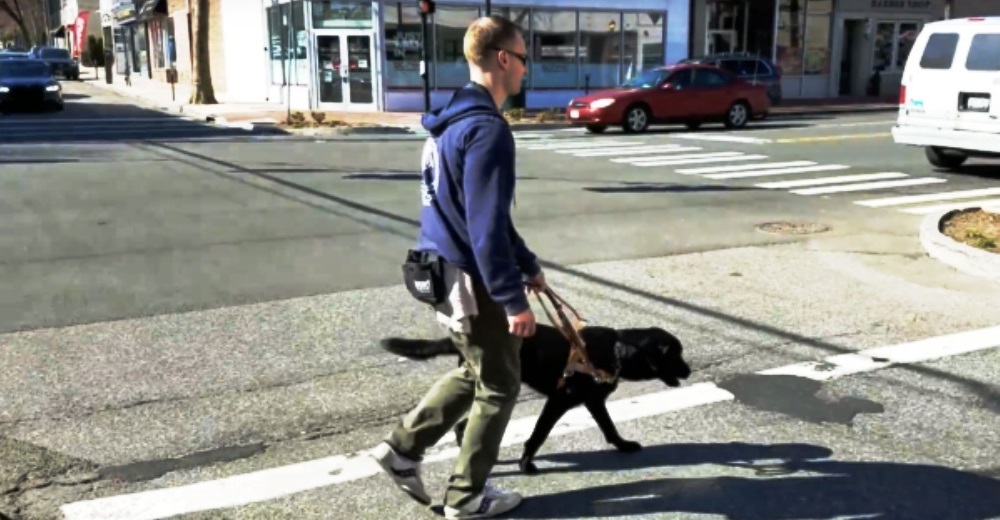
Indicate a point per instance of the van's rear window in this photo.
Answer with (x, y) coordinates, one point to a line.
(984, 53)
(940, 51)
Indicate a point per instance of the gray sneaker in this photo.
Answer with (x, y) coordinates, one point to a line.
(491, 502)
(404, 472)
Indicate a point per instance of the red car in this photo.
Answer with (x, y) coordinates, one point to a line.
(683, 93)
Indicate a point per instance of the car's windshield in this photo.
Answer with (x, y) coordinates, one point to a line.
(23, 69)
(59, 54)
(648, 79)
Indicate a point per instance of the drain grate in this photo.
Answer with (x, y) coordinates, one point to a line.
(793, 228)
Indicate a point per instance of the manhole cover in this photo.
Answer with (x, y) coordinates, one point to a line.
(793, 228)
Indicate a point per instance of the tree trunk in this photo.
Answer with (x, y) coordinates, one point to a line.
(16, 13)
(203, 93)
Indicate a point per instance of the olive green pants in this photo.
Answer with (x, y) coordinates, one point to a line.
(486, 386)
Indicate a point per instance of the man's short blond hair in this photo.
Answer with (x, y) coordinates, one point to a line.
(486, 34)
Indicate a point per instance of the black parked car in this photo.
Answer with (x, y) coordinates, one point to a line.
(26, 84)
(59, 60)
(751, 68)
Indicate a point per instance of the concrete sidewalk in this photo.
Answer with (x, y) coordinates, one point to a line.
(158, 95)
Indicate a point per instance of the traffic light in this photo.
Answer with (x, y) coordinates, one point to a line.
(427, 6)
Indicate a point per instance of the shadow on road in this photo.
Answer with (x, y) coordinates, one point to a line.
(804, 483)
(637, 187)
(110, 122)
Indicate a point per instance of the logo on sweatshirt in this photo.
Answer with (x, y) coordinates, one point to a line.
(429, 172)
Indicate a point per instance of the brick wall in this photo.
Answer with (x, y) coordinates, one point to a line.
(967, 8)
(184, 40)
(178, 10)
(217, 48)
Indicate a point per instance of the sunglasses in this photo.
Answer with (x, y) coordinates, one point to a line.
(522, 57)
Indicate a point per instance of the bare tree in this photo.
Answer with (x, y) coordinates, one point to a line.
(29, 16)
(203, 92)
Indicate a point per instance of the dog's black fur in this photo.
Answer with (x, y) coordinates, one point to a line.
(635, 354)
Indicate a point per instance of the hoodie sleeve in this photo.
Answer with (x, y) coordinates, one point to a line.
(488, 182)
(526, 259)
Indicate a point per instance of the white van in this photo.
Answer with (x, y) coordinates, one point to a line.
(949, 99)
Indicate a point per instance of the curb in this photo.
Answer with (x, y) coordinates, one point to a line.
(957, 255)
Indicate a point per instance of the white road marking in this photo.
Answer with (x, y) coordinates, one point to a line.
(831, 180)
(727, 138)
(930, 197)
(633, 160)
(742, 167)
(590, 143)
(880, 185)
(631, 151)
(924, 210)
(723, 158)
(269, 484)
(778, 171)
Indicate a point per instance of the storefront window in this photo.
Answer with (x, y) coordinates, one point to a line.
(450, 24)
(600, 41)
(288, 39)
(328, 14)
(554, 50)
(643, 42)
(791, 22)
(817, 38)
(403, 45)
(908, 32)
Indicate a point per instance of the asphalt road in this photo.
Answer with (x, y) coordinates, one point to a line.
(177, 311)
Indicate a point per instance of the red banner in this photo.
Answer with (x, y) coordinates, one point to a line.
(79, 29)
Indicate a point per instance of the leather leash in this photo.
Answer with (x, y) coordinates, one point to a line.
(578, 361)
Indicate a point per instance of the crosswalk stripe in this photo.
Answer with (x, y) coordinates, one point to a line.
(594, 143)
(865, 186)
(742, 167)
(723, 138)
(657, 158)
(628, 151)
(778, 171)
(924, 210)
(831, 180)
(729, 158)
(930, 197)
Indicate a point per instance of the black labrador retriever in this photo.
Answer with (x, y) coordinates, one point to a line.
(631, 354)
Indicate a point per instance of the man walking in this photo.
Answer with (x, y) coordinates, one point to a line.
(468, 189)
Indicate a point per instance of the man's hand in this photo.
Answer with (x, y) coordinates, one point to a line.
(523, 324)
(537, 283)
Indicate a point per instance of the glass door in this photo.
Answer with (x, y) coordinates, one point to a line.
(345, 70)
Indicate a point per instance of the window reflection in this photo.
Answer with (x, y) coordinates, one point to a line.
(450, 23)
(791, 20)
(403, 45)
(600, 47)
(644, 43)
(554, 49)
(817, 38)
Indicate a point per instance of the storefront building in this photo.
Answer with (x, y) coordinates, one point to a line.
(825, 48)
(365, 56)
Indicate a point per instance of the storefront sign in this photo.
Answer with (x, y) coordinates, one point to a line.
(909, 5)
(124, 12)
(891, 6)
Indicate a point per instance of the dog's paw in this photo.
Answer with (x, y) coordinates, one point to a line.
(628, 446)
(527, 467)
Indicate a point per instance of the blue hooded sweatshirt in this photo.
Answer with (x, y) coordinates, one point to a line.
(467, 189)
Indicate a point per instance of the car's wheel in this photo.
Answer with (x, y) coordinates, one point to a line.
(944, 159)
(738, 115)
(636, 119)
(693, 125)
(596, 129)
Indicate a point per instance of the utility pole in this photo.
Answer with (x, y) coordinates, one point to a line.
(489, 6)
(426, 9)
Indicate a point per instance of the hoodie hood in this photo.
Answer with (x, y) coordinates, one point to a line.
(470, 100)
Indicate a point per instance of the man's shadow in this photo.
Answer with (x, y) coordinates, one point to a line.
(788, 481)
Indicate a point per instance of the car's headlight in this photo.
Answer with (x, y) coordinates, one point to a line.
(52, 88)
(601, 103)
(4, 90)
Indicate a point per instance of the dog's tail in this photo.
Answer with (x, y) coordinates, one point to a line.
(419, 348)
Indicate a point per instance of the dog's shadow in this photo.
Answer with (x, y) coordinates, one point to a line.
(785, 481)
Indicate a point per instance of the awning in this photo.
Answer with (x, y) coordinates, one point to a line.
(152, 9)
